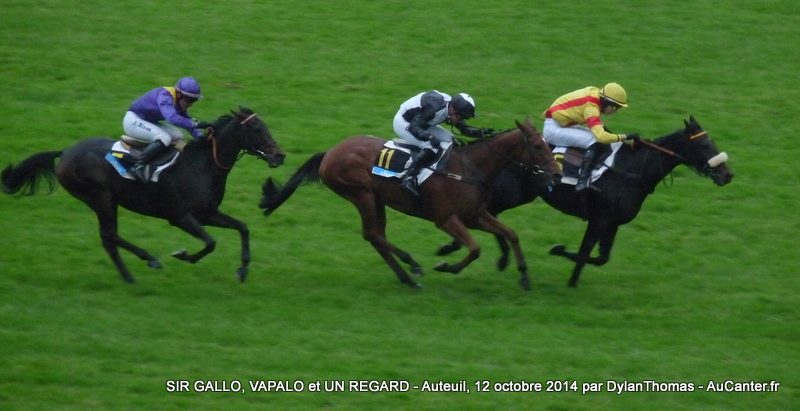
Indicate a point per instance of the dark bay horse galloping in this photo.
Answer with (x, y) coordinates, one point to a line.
(453, 205)
(188, 195)
(636, 173)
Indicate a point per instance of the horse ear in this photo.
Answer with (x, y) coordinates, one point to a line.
(686, 123)
(529, 122)
(692, 120)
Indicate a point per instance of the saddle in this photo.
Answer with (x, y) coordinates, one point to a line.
(124, 153)
(397, 156)
(570, 158)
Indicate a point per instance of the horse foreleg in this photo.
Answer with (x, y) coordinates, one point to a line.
(449, 248)
(502, 262)
(223, 220)
(190, 225)
(456, 228)
(492, 225)
(594, 231)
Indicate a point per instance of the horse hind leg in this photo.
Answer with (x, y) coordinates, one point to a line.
(373, 221)
(107, 220)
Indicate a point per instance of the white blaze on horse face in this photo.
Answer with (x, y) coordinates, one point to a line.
(717, 159)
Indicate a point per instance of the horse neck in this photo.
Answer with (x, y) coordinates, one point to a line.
(653, 165)
(493, 155)
(223, 150)
(204, 159)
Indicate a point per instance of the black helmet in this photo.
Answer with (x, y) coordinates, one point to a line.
(464, 105)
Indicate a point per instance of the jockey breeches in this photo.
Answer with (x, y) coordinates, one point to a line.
(572, 136)
(146, 131)
(438, 132)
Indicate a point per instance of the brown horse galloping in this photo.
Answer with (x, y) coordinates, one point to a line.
(454, 205)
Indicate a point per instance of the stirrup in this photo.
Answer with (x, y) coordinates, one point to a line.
(410, 184)
(586, 186)
(140, 173)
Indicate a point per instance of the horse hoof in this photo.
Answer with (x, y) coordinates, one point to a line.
(417, 286)
(241, 274)
(154, 264)
(525, 285)
(128, 279)
(558, 250)
(417, 271)
(502, 263)
(180, 255)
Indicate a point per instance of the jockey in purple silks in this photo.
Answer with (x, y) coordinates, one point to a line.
(143, 121)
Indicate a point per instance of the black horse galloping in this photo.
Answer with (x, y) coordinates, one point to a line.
(188, 195)
(635, 175)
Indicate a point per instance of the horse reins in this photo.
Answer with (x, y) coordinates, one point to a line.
(668, 151)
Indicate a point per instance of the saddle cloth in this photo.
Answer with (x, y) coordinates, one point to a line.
(396, 156)
(122, 156)
(570, 158)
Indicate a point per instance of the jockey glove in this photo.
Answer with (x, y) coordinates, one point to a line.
(474, 132)
(633, 137)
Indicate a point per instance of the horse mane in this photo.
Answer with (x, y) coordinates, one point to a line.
(665, 139)
(473, 141)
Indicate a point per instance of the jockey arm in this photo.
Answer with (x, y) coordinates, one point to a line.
(166, 104)
(430, 103)
(474, 132)
(592, 115)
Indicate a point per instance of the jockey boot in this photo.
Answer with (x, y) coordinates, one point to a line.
(423, 159)
(139, 170)
(587, 165)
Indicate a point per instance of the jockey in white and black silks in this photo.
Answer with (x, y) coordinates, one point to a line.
(417, 122)
(156, 116)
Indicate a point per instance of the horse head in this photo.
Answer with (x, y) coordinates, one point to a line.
(537, 153)
(251, 135)
(700, 153)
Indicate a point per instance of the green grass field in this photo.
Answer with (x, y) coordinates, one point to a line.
(702, 286)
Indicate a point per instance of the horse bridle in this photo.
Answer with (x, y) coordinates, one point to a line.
(249, 150)
(706, 169)
(535, 169)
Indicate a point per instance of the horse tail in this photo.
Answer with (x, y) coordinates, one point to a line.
(25, 178)
(275, 194)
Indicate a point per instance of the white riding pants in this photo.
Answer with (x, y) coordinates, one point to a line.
(149, 132)
(438, 132)
(573, 136)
